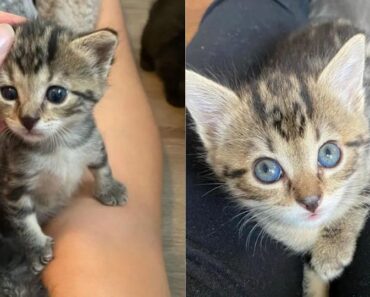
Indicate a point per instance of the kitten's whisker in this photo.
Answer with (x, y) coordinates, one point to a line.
(250, 235)
(212, 190)
(245, 223)
(255, 244)
(209, 184)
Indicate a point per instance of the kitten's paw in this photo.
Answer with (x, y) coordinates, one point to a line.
(40, 256)
(7, 289)
(330, 261)
(113, 194)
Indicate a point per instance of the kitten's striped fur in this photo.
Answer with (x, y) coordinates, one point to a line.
(298, 102)
(39, 171)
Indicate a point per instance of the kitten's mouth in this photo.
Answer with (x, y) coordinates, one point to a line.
(33, 136)
(313, 216)
(34, 133)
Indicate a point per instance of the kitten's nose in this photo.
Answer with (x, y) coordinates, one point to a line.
(311, 203)
(29, 122)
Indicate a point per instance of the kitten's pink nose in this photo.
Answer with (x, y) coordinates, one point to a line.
(29, 122)
(311, 203)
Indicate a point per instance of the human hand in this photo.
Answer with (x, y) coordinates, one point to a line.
(7, 38)
(7, 32)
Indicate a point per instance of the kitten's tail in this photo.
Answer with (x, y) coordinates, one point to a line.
(358, 12)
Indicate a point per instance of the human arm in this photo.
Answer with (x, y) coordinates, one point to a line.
(102, 251)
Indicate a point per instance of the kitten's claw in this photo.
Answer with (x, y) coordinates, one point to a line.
(41, 256)
(113, 194)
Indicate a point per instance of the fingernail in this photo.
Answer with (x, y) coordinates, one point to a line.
(6, 40)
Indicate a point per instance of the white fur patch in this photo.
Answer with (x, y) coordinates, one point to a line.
(34, 228)
(60, 175)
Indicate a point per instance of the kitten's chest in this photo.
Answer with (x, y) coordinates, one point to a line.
(59, 173)
(297, 239)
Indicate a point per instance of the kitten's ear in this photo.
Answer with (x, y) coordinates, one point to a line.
(207, 103)
(98, 48)
(345, 72)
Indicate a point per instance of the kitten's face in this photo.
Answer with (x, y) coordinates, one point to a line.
(51, 79)
(286, 156)
(291, 150)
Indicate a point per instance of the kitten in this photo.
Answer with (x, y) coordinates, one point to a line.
(292, 145)
(49, 85)
(163, 47)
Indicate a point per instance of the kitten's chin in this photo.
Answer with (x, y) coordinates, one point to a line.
(314, 220)
(300, 218)
(304, 221)
(33, 138)
(296, 216)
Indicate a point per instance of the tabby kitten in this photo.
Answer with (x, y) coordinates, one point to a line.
(49, 84)
(292, 145)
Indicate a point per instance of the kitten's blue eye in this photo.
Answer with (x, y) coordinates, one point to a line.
(268, 171)
(329, 155)
(9, 93)
(56, 94)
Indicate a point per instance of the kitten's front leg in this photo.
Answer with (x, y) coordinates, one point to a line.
(336, 245)
(107, 190)
(313, 284)
(39, 246)
(333, 251)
